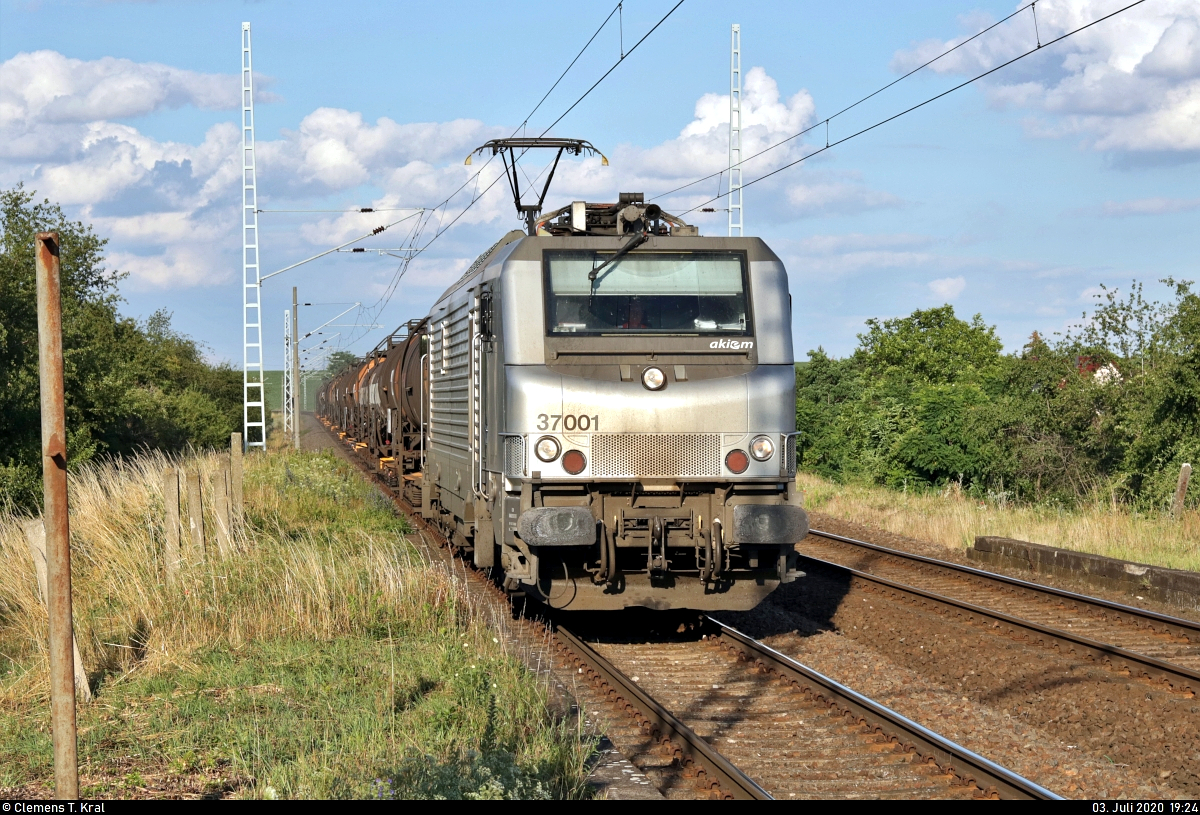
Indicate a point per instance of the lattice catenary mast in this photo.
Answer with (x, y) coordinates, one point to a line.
(289, 417)
(254, 413)
(735, 131)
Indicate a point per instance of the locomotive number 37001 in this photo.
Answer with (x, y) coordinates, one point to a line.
(569, 422)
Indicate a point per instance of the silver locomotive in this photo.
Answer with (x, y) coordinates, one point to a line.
(602, 411)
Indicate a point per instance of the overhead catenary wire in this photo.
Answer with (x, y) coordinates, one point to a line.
(614, 66)
(441, 229)
(475, 176)
(931, 99)
(567, 111)
(825, 122)
(372, 233)
(568, 68)
(624, 55)
(351, 211)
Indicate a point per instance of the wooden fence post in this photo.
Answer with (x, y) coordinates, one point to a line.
(220, 494)
(195, 513)
(172, 551)
(35, 536)
(235, 477)
(1185, 472)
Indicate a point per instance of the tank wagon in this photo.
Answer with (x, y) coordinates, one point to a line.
(602, 412)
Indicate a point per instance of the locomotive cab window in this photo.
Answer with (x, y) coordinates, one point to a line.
(647, 293)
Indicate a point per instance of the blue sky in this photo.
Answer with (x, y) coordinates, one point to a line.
(1016, 197)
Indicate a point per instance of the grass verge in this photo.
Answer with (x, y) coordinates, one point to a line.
(954, 521)
(317, 656)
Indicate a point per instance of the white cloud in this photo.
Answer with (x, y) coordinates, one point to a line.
(49, 87)
(948, 288)
(1130, 83)
(823, 256)
(335, 149)
(837, 197)
(702, 146)
(170, 207)
(436, 272)
(48, 102)
(1150, 206)
(180, 265)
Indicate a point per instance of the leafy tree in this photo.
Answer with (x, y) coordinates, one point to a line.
(128, 385)
(1112, 409)
(931, 346)
(339, 360)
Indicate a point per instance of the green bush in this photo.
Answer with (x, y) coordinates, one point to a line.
(927, 400)
(128, 385)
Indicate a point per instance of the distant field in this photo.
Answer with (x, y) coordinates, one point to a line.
(320, 656)
(274, 391)
(954, 521)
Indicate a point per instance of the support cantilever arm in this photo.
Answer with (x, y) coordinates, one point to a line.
(318, 345)
(330, 320)
(373, 232)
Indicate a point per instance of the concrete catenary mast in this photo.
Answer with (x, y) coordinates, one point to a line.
(293, 398)
(288, 387)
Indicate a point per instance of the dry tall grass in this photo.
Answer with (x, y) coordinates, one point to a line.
(954, 521)
(320, 559)
(128, 614)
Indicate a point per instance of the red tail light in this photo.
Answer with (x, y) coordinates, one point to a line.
(574, 462)
(737, 461)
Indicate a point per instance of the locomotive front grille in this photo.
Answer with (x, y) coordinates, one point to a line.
(788, 452)
(630, 455)
(514, 456)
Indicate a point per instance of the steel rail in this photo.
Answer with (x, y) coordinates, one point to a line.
(1179, 678)
(1174, 625)
(732, 780)
(966, 764)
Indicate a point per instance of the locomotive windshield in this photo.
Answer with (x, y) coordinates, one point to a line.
(659, 293)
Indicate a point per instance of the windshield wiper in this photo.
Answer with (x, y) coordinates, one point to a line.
(634, 242)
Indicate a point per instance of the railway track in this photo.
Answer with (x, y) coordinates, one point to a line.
(725, 697)
(782, 729)
(1128, 640)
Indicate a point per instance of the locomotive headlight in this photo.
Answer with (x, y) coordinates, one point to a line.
(654, 379)
(762, 448)
(546, 448)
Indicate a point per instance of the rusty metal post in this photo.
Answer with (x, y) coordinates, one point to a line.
(58, 541)
(1185, 473)
(235, 476)
(172, 551)
(195, 513)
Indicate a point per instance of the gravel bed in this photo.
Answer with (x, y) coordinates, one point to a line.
(1066, 724)
(849, 529)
